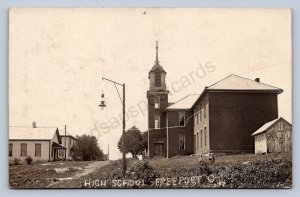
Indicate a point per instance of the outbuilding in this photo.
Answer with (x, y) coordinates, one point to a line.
(273, 137)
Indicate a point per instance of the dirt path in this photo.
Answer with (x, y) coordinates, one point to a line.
(90, 168)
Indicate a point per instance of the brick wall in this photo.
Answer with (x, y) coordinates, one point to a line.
(157, 135)
(201, 123)
(234, 116)
(174, 133)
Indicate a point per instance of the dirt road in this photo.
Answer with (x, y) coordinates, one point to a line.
(90, 168)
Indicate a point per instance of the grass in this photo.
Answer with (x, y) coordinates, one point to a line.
(230, 171)
(107, 173)
(40, 175)
(189, 161)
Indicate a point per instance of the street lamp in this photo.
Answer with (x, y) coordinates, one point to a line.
(102, 105)
(102, 102)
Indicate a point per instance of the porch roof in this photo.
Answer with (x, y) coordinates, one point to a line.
(58, 146)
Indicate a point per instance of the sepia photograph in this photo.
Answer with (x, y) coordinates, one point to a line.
(150, 98)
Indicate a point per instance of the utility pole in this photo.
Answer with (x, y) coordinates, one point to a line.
(123, 133)
(102, 105)
(107, 151)
(65, 142)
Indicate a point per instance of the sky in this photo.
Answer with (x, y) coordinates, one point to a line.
(57, 58)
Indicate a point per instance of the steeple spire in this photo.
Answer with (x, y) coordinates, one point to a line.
(156, 60)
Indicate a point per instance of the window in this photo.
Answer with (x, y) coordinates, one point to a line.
(157, 102)
(201, 138)
(197, 140)
(181, 142)
(280, 126)
(70, 140)
(156, 122)
(23, 150)
(280, 134)
(181, 119)
(10, 149)
(38, 150)
(197, 116)
(205, 136)
(204, 108)
(201, 112)
(157, 79)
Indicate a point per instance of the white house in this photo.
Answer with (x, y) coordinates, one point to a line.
(67, 141)
(41, 143)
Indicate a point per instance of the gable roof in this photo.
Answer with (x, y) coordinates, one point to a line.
(267, 125)
(184, 103)
(235, 82)
(30, 133)
(68, 135)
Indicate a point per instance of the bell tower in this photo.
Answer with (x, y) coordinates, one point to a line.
(157, 96)
(157, 75)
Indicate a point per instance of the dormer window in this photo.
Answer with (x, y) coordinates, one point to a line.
(157, 79)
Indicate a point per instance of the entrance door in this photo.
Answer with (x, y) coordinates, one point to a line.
(158, 149)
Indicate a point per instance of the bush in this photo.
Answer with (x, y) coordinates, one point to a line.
(28, 159)
(16, 161)
(142, 170)
(260, 174)
(276, 173)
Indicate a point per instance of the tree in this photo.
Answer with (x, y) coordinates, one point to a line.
(87, 148)
(134, 142)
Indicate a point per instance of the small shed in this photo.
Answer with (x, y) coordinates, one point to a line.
(273, 136)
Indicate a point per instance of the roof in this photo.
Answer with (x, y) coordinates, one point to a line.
(30, 133)
(69, 135)
(235, 82)
(157, 67)
(185, 103)
(267, 125)
(56, 145)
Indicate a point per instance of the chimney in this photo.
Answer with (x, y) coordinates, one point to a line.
(257, 80)
(33, 124)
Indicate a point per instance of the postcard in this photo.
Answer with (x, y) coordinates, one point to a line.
(138, 98)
